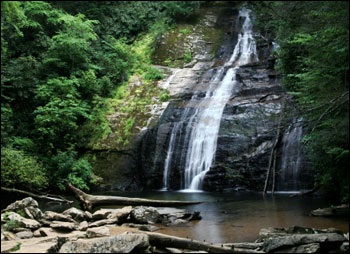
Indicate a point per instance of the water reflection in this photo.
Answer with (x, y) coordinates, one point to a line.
(238, 217)
(235, 217)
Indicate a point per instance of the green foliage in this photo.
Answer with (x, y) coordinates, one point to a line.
(16, 247)
(59, 118)
(19, 168)
(164, 96)
(314, 61)
(153, 74)
(62, 65)
(65, 166)
(70, 46)
(11, 225)
(187, 56)
(180, 10)
(6, 123)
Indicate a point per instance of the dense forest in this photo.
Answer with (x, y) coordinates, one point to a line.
(62, 62)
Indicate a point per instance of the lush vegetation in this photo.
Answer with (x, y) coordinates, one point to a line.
(64, 64)
(313, 59)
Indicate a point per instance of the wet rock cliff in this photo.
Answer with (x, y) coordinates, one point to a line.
(257, 129)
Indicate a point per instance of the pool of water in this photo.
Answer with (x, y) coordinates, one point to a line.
(237, 216)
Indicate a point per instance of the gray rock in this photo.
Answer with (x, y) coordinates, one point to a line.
(101, 222)
(143, 227)
(304, 248)
(19, 220)
(28, 206)
(21, 204)
(63, 225)
(40, 233)
(144, 215)
(88, 215)
(74, 213)
(101, 214)
(97, 232)
(51, 216)
(84, 225)
(271, 244)
(120, 215)
(123, 243)
(25, 234)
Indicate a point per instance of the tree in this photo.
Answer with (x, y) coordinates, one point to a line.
(314, 63)
(58, 119)
(19, 168)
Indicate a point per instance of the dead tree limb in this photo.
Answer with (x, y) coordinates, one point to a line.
(89, 201)
(47, 197)
(163, 240)
(274, 172)
(272, 159)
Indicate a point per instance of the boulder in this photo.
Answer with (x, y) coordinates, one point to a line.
(74, 213)
(301, 240)
(63, 225)
(123, 243)
(341, 210)
(25, 234)
(333, 240)
(101, 222)
(21, 204)
(120, 215)
(88, 215)
(174, 216)
(101, 214)
(51, 216)
(84, 225)
(97, 232)
(39, 233)
(19, 221)
(145, 215)
(28, 206)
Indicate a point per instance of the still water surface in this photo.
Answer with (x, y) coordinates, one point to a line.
(238, 217)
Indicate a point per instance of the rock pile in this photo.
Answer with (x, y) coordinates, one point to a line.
(24, 220)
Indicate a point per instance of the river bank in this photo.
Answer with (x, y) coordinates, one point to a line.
(225, 217)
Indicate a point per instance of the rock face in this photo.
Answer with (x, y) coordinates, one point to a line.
(257, 107)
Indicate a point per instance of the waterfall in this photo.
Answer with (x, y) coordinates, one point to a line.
(292, 159)
(204, 123)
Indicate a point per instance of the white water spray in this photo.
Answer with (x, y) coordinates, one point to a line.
(205, 122)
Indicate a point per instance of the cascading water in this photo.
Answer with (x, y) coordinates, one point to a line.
(203, 125)
(292, 159)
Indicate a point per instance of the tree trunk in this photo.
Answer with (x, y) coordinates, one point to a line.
(168, 241)
(89, 201)
(47, 197)
(164, 241)
(272, 159)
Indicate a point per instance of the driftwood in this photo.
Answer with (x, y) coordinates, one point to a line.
(47, 197)
(89, 201)
(164, 241)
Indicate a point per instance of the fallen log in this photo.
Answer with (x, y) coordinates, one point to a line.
(45, 196)
(90, 201)
(163, 240)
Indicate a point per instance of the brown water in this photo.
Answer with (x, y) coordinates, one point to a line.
(238, 217)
